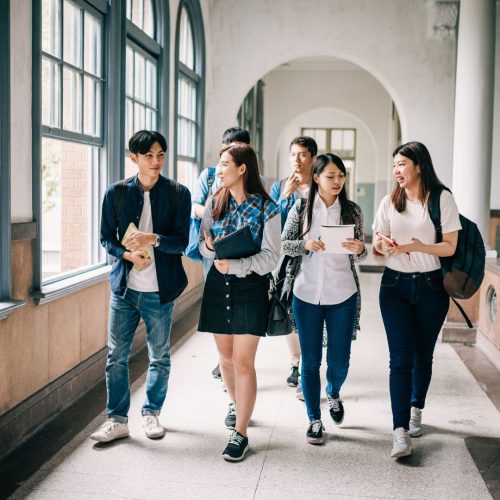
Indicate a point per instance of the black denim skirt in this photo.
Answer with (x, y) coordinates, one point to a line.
(234, 305)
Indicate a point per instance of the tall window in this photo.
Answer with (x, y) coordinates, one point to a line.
(251, 118)
(5, 251)
(189, 93)
(72, 170)
(141, 82)
(341, 142)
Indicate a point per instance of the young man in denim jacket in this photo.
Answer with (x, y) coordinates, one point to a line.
(146, 278)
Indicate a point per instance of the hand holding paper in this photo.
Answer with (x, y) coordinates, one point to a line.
(334, 236)
(146, 250)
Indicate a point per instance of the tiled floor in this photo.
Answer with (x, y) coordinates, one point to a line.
(353, 463)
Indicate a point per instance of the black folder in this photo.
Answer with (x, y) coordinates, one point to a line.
(237, 245)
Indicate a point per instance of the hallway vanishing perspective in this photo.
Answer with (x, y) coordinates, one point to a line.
(78, 78)
(353, 463)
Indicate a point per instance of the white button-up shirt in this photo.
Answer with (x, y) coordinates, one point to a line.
(324, 279)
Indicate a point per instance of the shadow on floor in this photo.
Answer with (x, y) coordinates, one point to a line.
(485, 451)
(24, 461)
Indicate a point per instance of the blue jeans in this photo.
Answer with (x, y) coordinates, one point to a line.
(413, 306)
(124, 315)
(340, 319)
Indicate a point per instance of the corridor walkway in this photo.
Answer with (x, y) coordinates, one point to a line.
(354, 462)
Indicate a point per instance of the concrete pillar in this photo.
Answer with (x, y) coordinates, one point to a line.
(473, 134)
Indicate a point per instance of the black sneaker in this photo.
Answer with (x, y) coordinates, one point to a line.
(236, 447)
(336, 409)
(314, 433)
(293, 379)
(230, 420)
(216, 372)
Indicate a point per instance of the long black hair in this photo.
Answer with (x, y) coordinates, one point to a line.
(346, 206)
(419, 155)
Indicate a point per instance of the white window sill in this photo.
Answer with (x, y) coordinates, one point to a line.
(7, 306)
(70, 285)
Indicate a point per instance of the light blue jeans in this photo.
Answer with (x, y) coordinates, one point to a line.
(124, 315)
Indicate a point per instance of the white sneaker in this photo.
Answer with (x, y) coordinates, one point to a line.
(109, 431)
(152, 427)
(401, 443)
(415, 422)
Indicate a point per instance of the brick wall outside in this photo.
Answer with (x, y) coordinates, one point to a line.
(74, 206)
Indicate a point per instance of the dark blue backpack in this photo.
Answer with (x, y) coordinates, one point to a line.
(463, 272)
(192, 250)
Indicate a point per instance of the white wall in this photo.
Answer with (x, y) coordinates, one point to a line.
(366, 148)
(20, 112)
(388, 38)
(359, 101)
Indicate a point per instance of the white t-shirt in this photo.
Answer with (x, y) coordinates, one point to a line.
(324, 279)
(145, 280)
(415, 222)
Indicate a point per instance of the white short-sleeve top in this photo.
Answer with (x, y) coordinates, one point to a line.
(415, 222)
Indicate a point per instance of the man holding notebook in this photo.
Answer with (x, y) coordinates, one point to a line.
(145, 226)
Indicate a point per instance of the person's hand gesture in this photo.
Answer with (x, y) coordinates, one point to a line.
(291, 185)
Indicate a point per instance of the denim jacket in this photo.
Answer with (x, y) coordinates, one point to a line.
(170, 211)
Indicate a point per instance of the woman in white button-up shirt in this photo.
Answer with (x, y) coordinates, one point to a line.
(326, 288)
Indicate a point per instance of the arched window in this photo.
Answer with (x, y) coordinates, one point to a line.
(142, 89)
(190, 92)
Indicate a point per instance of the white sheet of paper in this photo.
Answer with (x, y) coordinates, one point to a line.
(333, 236)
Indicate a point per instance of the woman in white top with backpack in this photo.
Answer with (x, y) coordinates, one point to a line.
(412, 298)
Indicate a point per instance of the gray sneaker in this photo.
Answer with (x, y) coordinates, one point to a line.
(401, 443)
(415, 422)
(230, 420)
(298, 393)
(109, 431)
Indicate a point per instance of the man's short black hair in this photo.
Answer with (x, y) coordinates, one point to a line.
(141, 142)
(306, 142)
(235, 134)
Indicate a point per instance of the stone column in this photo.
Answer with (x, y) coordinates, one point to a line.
(473, 137)
(473, 134)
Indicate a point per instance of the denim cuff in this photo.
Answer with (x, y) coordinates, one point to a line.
(118, 418)
(155, 413)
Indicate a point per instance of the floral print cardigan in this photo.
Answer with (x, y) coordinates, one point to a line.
(294, 246)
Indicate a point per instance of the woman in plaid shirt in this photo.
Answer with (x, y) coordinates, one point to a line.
(235, 299)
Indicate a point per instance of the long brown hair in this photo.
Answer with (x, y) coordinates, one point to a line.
(241, 154)
(419, 155)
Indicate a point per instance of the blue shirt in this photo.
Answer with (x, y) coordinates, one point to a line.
(170, 211)
(284, 204)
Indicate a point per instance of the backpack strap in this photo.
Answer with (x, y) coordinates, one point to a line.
(210, 178)
(434, 207)
(119, 197)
